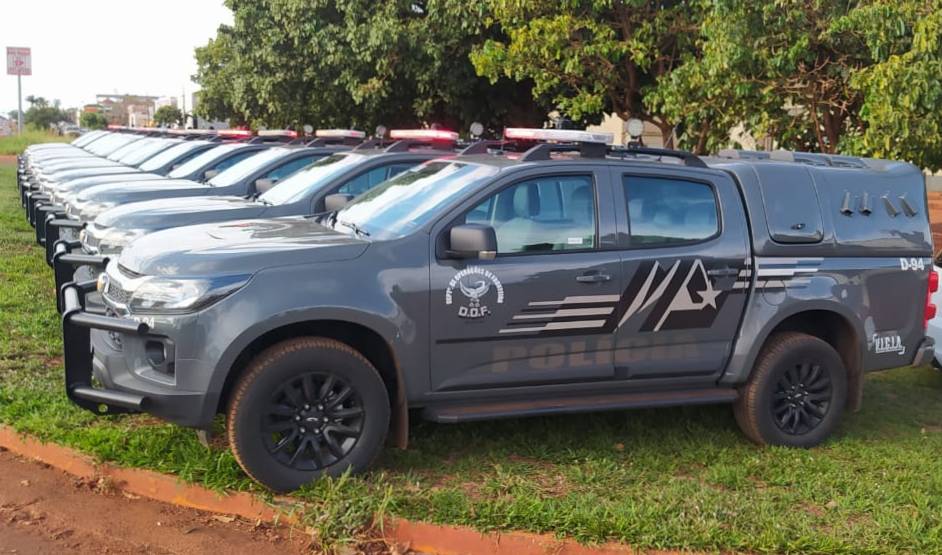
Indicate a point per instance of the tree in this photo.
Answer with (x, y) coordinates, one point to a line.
(168, 115)
(787, 67)
(41, 115)
(93, 120)
(355, 63)
(593, 57)
(901, 109)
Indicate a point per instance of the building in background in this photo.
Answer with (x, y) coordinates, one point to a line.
(195, 122)
(119, 109)
(7, 127)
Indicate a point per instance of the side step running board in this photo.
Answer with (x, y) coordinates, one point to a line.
(514, 408)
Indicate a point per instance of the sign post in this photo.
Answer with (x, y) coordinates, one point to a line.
(19, 63)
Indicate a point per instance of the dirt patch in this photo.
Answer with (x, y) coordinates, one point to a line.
(44, 510)
(7, 159)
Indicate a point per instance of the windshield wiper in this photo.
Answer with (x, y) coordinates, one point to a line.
(356, 229)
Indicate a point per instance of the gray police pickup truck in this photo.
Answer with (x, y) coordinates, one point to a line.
(570, 277)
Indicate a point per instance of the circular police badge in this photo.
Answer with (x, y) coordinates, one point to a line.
(477, 285)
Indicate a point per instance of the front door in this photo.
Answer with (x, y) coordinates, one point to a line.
(539, 313)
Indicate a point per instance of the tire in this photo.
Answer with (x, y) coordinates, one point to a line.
(305, 408)
(796, 394)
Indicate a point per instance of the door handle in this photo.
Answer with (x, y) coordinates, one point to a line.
(593, 278)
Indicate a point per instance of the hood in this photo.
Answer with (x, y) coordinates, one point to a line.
(91, 172)
(239, 247)
(53, 168)
(82, 183)
(153, 215)
(121, 193)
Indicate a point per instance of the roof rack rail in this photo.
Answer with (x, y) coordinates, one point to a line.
(688, 158)
(543, 151)
(375, 142)
(404, 145)
(808, 158)
(334, 141)
(481, 147)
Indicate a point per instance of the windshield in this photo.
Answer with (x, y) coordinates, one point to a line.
(248, 166)
(147, 151)
(203, 159)
(128, 149)
(169, 155)
(412, 198)
(110, 144)
(299, 184)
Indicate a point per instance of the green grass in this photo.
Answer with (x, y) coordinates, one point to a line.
(672, 478)
(14, 144)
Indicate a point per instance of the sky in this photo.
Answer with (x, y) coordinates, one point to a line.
(81, 48)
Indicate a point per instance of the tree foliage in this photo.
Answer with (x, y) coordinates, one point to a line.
(43, 115)
(93, 120)
(855, 76)
(287, 63)
(902, 94)
(594, 57)
(168, 115)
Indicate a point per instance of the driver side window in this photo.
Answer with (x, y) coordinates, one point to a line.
(547, 214)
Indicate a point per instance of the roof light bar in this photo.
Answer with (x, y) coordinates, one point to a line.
(558, 135)
(426, 134)
(278, 133)
(340, 133)
(235, 132)
(192, 131)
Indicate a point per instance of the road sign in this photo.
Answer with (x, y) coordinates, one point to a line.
(19, 61)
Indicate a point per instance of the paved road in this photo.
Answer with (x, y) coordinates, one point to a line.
(43, 510)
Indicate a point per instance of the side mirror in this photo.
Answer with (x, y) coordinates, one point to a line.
(175, 166)
(263, 185)
(210, 174)
(473, 241)
(336, 201)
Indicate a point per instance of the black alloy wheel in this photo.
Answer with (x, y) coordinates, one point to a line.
(313, 421)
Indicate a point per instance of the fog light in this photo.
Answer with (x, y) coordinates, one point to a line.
(155, 353)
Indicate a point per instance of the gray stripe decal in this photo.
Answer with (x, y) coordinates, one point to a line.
(568, 312)
(558, 326)
(579, 300)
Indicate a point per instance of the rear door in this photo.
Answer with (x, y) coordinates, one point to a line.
(540, 313)
(684, 257)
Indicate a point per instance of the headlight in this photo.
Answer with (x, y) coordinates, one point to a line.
(113, 240)
(179, 295)
(91, 210)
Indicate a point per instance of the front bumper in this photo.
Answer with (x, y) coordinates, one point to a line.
(64, 266)
(122, 373)
(60, 231)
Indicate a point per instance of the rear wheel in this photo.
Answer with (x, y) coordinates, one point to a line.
(796, 393)
(304, 408)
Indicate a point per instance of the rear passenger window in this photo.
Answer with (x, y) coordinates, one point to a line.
(541, 215)
(664, 211)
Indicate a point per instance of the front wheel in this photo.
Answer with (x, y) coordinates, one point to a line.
(796, 393)
(304, 408)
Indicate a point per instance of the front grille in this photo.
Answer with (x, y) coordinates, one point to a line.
(116, 294)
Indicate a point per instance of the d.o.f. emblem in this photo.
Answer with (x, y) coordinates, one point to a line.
(478, 286)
